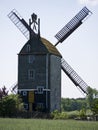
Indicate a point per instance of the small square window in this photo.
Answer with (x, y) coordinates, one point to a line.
(31, 58)
(24, 93)
(26, 106)
(31, 74)
(40, 89)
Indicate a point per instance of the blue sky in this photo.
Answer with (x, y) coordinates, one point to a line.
(80, 50)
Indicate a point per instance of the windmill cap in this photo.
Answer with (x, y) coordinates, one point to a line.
(39, 46)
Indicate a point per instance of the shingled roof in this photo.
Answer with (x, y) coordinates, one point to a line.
(40, 46)
(50, 47)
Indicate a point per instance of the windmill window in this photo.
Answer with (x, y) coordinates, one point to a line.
(24, 93)
(26, 106)
(31, 74)
(31, 58)
(40, 89)
(28, 48)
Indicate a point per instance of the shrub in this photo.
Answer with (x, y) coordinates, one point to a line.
(63, 115)
(82, 114)
(10, 105)
(57, 115)
(73, 114)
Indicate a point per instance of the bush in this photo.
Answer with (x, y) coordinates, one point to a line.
(10, 105)
(83, 114)
(63, 115)
(73, 114)
(57, 115)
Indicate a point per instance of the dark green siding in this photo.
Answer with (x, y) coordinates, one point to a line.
(39, 68)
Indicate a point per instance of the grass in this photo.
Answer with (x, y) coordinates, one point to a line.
(39, 124)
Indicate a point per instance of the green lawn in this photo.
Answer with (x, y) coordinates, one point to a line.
(38, 124)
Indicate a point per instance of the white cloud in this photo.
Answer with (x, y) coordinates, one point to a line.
(91, 2)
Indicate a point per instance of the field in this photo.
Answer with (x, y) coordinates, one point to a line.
(38, 124)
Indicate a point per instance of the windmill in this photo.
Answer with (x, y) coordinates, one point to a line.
(33, 30)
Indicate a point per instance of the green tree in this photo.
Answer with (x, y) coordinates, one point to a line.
(83, 113)
(92, 100)
(72, 104)
(95, 106)
(90, 97)
(10, 105)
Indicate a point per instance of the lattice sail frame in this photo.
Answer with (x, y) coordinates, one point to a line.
(75, 78)
(20, 23)
(72, 25)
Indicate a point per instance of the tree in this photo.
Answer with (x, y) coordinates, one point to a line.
(92, 100)
(95, 106)
(83, 113)
(90, 97)
(10, 105)
(72, 104)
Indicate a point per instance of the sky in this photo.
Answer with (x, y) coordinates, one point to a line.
(80, 49)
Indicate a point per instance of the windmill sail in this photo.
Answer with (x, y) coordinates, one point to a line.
(72, 25)
(75, 78)
(20, 23)
(14, 88)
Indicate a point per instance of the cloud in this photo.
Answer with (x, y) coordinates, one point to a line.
(90, 2)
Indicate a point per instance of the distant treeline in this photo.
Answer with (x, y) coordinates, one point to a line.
(68, 104)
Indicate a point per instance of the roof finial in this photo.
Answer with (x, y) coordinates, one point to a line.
(35, 24)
